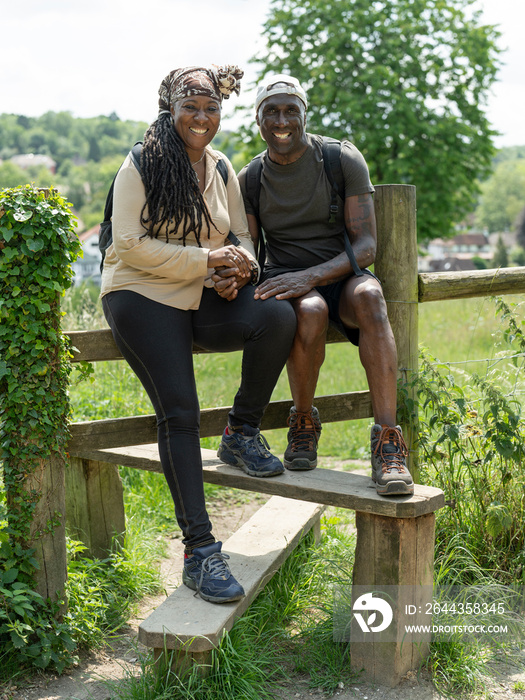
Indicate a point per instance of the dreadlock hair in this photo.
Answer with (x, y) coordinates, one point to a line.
(172, 189)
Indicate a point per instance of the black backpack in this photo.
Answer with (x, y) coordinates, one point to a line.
(105, 234)
(331, 149)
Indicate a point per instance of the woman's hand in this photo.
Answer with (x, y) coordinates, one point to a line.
(227, 282)
(232, 257)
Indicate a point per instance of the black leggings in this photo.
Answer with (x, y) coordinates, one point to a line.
(157, 341)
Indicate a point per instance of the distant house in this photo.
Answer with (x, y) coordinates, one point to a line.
(88, 267)
(26, 160)
(450, 265)
(456, 253)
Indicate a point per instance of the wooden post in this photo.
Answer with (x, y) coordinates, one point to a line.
(95, 505)
(48, 533)
(397, 555)
(396, 267)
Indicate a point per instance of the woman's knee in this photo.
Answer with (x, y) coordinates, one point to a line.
(278, 316)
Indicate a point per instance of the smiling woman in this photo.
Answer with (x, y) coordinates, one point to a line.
(172, 278)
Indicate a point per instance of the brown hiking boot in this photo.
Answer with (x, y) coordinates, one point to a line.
(389, 469)
(303, 436)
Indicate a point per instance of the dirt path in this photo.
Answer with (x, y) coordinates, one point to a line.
(91, 679)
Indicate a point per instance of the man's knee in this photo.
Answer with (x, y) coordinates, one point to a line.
(364, 303)
(312, 317)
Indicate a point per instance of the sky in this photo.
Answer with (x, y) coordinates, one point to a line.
(104, 56)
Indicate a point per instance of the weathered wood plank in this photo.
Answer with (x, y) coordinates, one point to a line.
(136, 430)
(256, 552)
(48, 481)
(396, 556)
(94, 346)
(95, 505)
(396, 267)
(334, 488)
(436, 286)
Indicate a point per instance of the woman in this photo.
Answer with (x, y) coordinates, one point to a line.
(170, 228)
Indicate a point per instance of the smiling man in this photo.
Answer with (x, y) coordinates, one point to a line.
(306, 262)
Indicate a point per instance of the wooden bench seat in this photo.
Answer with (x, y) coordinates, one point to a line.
(327, 486)
(394, 545)
(191, 626)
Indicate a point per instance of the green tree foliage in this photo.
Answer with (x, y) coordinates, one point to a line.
(88, 152)
(501, 257)
(509, 153)
(63, 137)
(406, 81)
(520, 228)
(502, 196)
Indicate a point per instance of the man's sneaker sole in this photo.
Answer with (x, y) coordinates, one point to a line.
(228, 457)
(394, 488)
(300, 464)
(190, 583)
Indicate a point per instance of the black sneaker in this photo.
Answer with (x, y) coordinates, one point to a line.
(206, 572)
(303, 436)
(249, 451)
(389, 469)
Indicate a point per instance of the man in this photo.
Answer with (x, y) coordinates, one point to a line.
(306, 263)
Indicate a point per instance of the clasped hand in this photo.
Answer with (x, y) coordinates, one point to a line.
(232, 270)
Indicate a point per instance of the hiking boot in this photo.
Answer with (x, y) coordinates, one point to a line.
(303, 436)
(207, 573)
(389, 453)
(247, 448)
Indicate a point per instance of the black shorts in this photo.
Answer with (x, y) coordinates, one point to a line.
(331, 293)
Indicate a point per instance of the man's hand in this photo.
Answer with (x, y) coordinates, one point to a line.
(227, 282)
(286, 286)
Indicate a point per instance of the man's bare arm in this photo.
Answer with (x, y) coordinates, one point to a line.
(360, 222)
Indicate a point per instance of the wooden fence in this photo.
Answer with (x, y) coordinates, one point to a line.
(404, 289)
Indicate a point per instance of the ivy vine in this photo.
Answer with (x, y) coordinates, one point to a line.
(37, 247)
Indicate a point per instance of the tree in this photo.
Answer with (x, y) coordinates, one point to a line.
(502, 196)
(406, 81)
(501, 257)
(520, 228)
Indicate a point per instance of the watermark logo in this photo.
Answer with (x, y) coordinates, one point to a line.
(367, 602)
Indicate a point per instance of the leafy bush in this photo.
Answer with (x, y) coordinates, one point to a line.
(472, 445)
(29, 628)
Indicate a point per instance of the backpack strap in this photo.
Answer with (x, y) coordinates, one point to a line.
(223, 170)
(135, 155)
(331, 149)
(253, 192)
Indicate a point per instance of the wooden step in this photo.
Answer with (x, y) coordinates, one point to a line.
(193, 626)
(328, 486)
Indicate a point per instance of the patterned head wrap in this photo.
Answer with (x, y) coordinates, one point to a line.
(217, 82)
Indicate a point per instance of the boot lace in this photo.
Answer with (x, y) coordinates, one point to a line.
(304, 437)
(392, 450)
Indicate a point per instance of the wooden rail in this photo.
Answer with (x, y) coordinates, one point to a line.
(440, 286)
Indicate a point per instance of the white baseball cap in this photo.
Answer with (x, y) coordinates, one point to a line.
(287, 85)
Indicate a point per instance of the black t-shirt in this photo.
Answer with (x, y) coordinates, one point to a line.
(294, 206)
